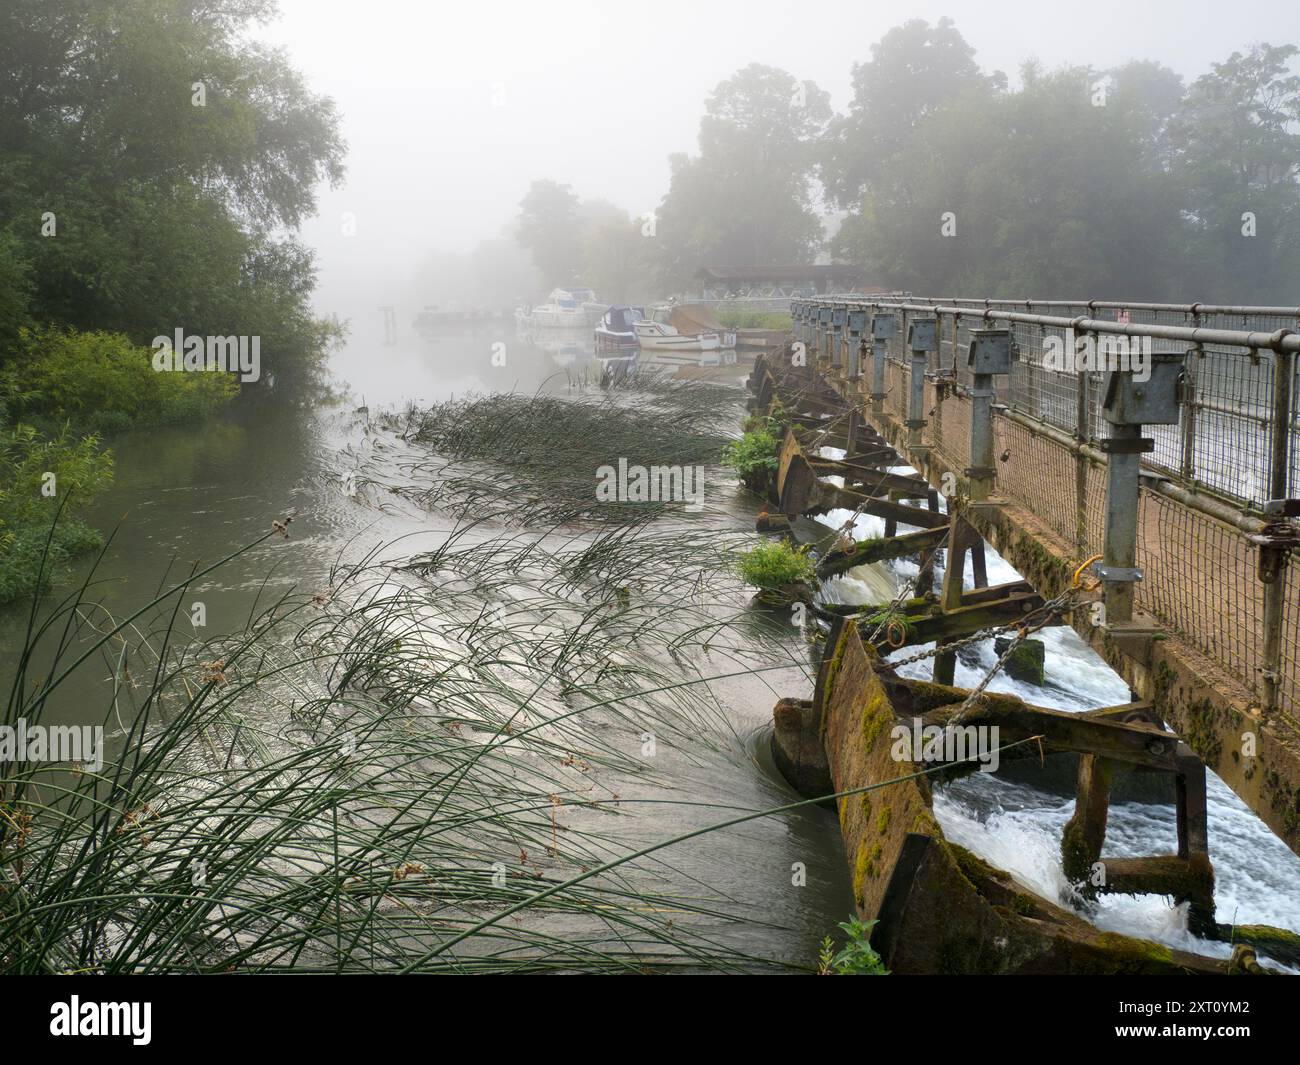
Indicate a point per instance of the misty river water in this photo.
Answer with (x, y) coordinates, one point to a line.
(198, 492)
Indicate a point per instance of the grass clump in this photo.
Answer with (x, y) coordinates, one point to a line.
(775, 567)
(740, 318)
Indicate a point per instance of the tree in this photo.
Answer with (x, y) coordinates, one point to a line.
(155, 164)
(616, 257)
(548, 227)
(914, 70)
(1023, 194)
(746, 198)
(1236, 155)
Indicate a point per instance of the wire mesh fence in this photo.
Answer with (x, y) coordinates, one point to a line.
(1234, 448)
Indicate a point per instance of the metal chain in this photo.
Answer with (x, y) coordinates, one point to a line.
(1067, 601)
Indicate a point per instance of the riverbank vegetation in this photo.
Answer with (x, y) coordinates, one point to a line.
(135, 201)
(101, 382)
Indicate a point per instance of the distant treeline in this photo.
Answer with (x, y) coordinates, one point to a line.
(1080, 183)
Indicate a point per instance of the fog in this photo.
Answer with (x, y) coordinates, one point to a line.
(450, 110)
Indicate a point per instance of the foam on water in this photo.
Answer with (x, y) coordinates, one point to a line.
(1018, 828)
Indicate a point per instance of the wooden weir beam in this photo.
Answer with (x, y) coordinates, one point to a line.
(939, 908)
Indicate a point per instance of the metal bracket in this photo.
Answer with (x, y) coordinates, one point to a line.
(1115, 446)
(982, 393)
(916, 423)
(1282, 508)
(1117, 573)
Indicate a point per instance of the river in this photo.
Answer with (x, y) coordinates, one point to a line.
(192, 493)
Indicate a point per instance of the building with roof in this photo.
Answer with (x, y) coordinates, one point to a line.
(779, 282)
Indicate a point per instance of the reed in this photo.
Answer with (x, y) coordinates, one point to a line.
(361, 776)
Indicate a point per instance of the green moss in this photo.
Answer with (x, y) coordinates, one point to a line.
(1076, 860)
(1130, 955)
(1277, 943)
(882, 820)
(1201, 731)
(876, 715)
(860, 865)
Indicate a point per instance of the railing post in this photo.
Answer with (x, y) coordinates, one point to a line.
(1279, 536)
(1129, 404)
(823, 333)
(920, 341)
(1083, 434)
(1187, 466)
(839, 316)
(883, 329)
(989, 354)
(857, 346)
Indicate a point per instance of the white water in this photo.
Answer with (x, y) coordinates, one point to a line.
(1018, 828)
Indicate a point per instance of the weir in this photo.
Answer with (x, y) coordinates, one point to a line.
(1150, 512)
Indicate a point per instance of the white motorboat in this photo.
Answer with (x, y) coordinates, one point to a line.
(685, 328)
(658, 336)
(565, 308)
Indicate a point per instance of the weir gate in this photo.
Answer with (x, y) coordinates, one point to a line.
(1137, 464)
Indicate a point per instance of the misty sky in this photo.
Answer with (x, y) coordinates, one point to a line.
(451, 109)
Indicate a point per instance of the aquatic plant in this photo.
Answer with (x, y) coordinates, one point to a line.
(754, 457)
(776, 566)
(534, 460)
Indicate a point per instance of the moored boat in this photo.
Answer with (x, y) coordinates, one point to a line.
(616, 331)
(564, 308)
(684, 328)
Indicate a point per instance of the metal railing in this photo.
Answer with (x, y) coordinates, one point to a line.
(1212, 535)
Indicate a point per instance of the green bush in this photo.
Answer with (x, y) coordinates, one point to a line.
(772, 566)
(27, 514)
(101, 382)
(857, 958)
(754, 456)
